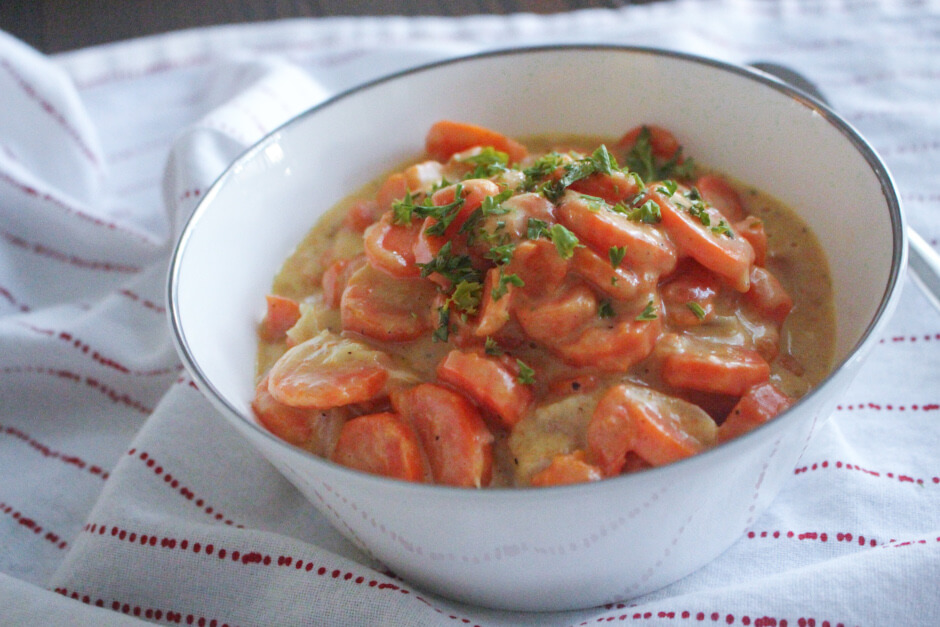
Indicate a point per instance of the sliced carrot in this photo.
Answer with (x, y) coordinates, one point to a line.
(361, 214)
(385, 308)
(552, 319)
(313, 429)
(447, 137)
(689, 296)
(473, 192)
(768, 296)
(390, 247)
(724, 253)
(539, 266)
(327, 371)
(698, 364)
(752, 229)
(613, 188)
(380, 444)
(646, 249)
(489, 382)
(619, 283)
(282, 313)
(720, 194)
(759, 404)
(662, 141)
(457, 442)
(566, 469)
(658, 428)
(336, 276)
(421, 177)
(494, 312)
(392, 190)
(614, 344)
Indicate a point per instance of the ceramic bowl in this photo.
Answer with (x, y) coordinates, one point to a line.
(562, 547)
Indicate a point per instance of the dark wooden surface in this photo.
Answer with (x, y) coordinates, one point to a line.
(59, 25)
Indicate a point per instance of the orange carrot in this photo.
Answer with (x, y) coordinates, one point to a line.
(282, 313)
(390, 247)
(566, 469)
(662, 141)
(361, 214)
(620, 283)
(697, 364)
(457, 442)
(336, 276)
(613, 188)
(657, 428)
(393, 189)
(327, 371)
(551, 320)
(689, 296)
(313, 429)
(489, 382)
(759, 404)
(447, 137)
(752, 229)
(614, 344)
(718, 192)
(473, 191)
(768, 296)
(380, 444)
(385, 308)
(646, 249)
(494, 312)
(539, 266)
(724, 252)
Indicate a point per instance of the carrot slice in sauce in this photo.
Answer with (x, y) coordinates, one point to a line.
(448, 137)
(313, 429)
(697, 364)
(566, 469)
(282, 313)
(658, 428)
(615, 344)
(380, 444)
(768, 296)
(457, 442)
(489, 382)
(718, 192)
(689, 296)
(758, 405)
(707, 238)
(663, 143)
(752, 229)
(390, 247)
(327, 371)
(646, 249)
(384, 308)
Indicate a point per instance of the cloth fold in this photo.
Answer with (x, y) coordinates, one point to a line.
(127, 498)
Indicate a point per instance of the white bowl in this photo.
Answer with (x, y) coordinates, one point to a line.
(563, 547)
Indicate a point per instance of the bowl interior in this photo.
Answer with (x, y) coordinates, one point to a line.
(746, 126)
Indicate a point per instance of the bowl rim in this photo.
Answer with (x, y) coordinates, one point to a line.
(887, 303)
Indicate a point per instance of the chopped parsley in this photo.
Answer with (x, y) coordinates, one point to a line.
(466, 296)
(526, 373)
(565, 241)
(488, 162)
(491, 347)
(648, 313)
(502, 285)
(606, 310)
(454, 268)
(696, 309)
(641, 160)
(616, 254)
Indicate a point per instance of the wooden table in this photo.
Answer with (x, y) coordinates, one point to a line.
(60, 25)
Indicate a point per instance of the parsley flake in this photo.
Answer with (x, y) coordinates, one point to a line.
(526, 373)
(616, 254)
(696, 309)
(648, 313)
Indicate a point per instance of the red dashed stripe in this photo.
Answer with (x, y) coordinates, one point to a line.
(72, 210)
(256, 558)
(189, 194)
(86, 349)
(927, 337)
(184, 491)
(148, 304)
(147, 613)
(30, 90)
(85, 264)
(839, 465)
(819, 536)
(888, 407)
(709, 617)
(32, 525)
(111, 393)
(13, 301)
(45, 451)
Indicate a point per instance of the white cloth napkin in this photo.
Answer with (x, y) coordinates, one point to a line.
(125, 497)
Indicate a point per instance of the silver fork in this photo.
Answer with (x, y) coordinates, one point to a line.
(923, 260)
